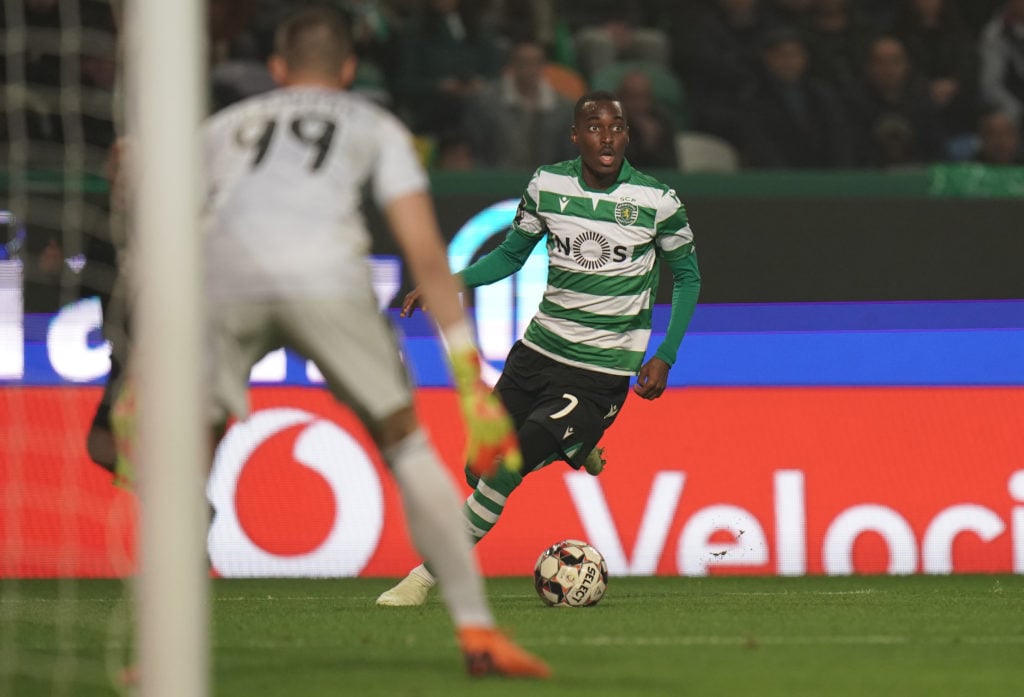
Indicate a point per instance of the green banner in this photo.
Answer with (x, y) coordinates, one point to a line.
(976, 181)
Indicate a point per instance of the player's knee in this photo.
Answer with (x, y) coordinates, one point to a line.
(100, 446)
(394, 428)
(537, 445)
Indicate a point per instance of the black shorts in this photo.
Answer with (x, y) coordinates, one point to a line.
(574, 405)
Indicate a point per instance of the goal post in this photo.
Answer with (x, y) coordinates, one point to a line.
(166, 102)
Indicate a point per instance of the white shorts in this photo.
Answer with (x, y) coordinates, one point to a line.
(350, 341)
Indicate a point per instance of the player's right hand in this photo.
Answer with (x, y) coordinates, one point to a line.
(490, 435)
(412, 300)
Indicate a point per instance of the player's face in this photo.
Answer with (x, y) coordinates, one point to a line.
(601, 134)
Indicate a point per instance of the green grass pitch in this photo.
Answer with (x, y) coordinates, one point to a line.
(731, 636)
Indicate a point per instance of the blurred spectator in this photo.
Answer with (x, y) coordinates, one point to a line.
(651, 127)
(447, 54)
(999, 140)
(879, 13)
(838, 38)
(942, 49)
(240, 42)
(794, 13)
(519, 120)
(616, 33)
(792, 118)
(55, 97)
(718, 62)
(667, 89)
(900, 126)
(977, 13)
(57, 69)
(542, 20)
(453, 153)
(43, 270)
(1001, 48)
(375, 30)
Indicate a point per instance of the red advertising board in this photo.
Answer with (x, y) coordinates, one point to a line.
(790, 481)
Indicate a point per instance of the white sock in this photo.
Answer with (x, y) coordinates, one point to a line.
(432, 510)
(423, 572)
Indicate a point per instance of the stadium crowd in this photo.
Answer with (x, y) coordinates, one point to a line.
(784, 83)
(756, 84)
(489, 83)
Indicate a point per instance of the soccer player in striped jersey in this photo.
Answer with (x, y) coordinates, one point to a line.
(286, 250)
(606, 226)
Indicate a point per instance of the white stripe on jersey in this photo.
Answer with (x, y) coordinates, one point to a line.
(675, 240)
(607, 305)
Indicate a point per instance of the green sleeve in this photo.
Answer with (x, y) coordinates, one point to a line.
(685, 290)
(502, 261)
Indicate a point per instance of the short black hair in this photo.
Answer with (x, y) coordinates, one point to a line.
(316, 37)
(595, 96)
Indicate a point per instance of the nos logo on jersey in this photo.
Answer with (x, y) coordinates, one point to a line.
(626, 211)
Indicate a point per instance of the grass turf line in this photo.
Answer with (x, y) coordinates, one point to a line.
(763, 636)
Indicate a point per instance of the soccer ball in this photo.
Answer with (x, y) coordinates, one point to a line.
(571, 573)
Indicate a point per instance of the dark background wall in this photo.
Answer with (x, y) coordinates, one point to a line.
(817, 237)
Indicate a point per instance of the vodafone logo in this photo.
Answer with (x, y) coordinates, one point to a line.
(295, 495)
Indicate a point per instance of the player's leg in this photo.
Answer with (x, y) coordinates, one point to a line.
(430, 502)
(100, 440)
(480, 512)
(384, 404)
(321, 331)
(563, 419)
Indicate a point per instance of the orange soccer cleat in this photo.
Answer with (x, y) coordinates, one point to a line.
(489, 652)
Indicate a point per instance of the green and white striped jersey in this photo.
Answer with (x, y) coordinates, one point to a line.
(603, 248)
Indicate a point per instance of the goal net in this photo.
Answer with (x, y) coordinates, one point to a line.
(85, 575)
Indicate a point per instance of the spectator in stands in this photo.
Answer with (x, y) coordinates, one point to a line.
(519, 121)
(453, 152)
(1001, 50)
(898, 123)
(238, 49)
(447, 55)
(977, 13)
(718, 62)
(651, 127)
(792, 118)
(941, 47)
(616, 33)
(879, 13)
(544, 20)
(999, 139)
(838, 38)
(794, 13)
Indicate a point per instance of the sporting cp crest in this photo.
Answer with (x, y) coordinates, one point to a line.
(626, 211)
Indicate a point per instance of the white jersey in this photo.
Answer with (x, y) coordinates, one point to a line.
(286, 175)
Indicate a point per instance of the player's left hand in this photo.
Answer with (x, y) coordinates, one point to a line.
(413, 299)
(653, 378)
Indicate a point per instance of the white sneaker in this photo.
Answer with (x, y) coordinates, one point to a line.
(595, 462)
(410, 591)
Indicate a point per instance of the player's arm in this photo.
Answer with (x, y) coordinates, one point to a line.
(528, 228)
(674, 244)
(412, 221)
(491, 436)
(507, 258)
(502, 261)
(685, 291)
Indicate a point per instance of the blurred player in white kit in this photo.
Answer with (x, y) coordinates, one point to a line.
(286, 251)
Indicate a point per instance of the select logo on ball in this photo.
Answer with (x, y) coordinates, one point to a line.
(571, 573)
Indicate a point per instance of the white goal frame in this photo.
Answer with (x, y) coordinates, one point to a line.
(166, 62)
